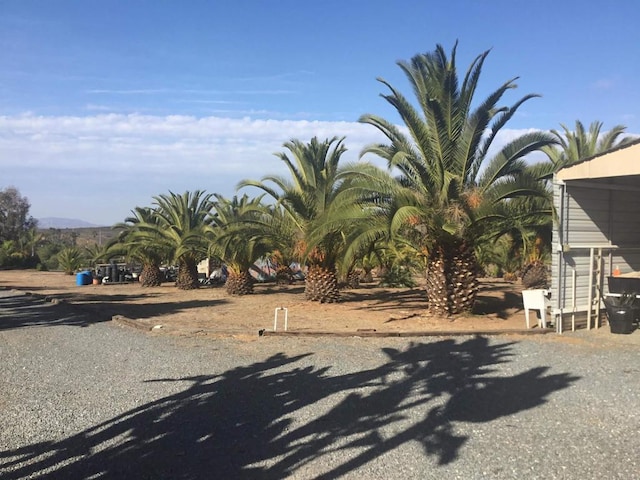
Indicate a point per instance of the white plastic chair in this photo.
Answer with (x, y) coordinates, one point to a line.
(536, 300)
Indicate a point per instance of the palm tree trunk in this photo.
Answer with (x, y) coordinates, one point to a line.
(353, 279)
(187, 275)
(151, 276)
(452, 282)
(368, 275)
(239, 283)
(321, 284)
(284, 275)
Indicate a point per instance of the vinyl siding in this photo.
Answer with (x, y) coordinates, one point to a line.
(598, 217)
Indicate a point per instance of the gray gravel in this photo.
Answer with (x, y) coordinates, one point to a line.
(94, 400)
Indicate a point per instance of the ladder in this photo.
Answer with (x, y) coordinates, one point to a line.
(595, 280)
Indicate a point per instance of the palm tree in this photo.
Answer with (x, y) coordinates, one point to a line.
(21, 251)
(306, 197)
(525, 225)
(182, 224)
(239, 239)
(71, 259)
(450, 185)
(31, 238)
(141, 240)
(96, 253)
(580, 144)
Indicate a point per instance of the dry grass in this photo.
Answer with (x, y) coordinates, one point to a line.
(210, 310)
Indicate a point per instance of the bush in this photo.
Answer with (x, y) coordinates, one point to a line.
(49, 256)
(398, 277)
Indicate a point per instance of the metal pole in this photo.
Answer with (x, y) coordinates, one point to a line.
(590, 292)
(275, 320)
(561, 268)
(573, 299)
(599, 288)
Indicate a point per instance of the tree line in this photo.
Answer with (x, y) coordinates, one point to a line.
(448, 205)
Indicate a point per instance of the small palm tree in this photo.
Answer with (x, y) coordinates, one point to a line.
(96, 253)
(141, 241)
(70, 259)
(182, 225)
(449, 185)
(526, 221)
(239, 239)
(368, 261)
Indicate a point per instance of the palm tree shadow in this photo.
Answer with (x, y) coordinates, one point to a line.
(503, 306)
(26, 310)
(249, 422)
(408, 299)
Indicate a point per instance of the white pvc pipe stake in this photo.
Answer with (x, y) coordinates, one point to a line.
(275, 321)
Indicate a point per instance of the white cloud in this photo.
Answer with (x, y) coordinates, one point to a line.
(99, 167)
(51, 159)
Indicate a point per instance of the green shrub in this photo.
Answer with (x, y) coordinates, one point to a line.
(398, 277)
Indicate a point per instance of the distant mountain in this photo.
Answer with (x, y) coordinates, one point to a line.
(55, 222)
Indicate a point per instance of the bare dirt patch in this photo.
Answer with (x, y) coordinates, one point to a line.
(210, 310)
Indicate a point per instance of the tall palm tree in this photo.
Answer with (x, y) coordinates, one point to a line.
(450, 184)
(306, 197)
(182, 222)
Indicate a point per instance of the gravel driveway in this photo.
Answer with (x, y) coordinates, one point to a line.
(80, 400)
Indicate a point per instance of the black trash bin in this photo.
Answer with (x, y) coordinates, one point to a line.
(621, 319)
(622, 312)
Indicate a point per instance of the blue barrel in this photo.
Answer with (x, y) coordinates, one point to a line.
(83, 278)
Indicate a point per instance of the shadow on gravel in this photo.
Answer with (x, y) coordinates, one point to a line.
(19, 310)
(264, 421)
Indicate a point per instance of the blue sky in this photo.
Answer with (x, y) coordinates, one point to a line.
(105, 104)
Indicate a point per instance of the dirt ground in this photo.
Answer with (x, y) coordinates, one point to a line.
(210, 310)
